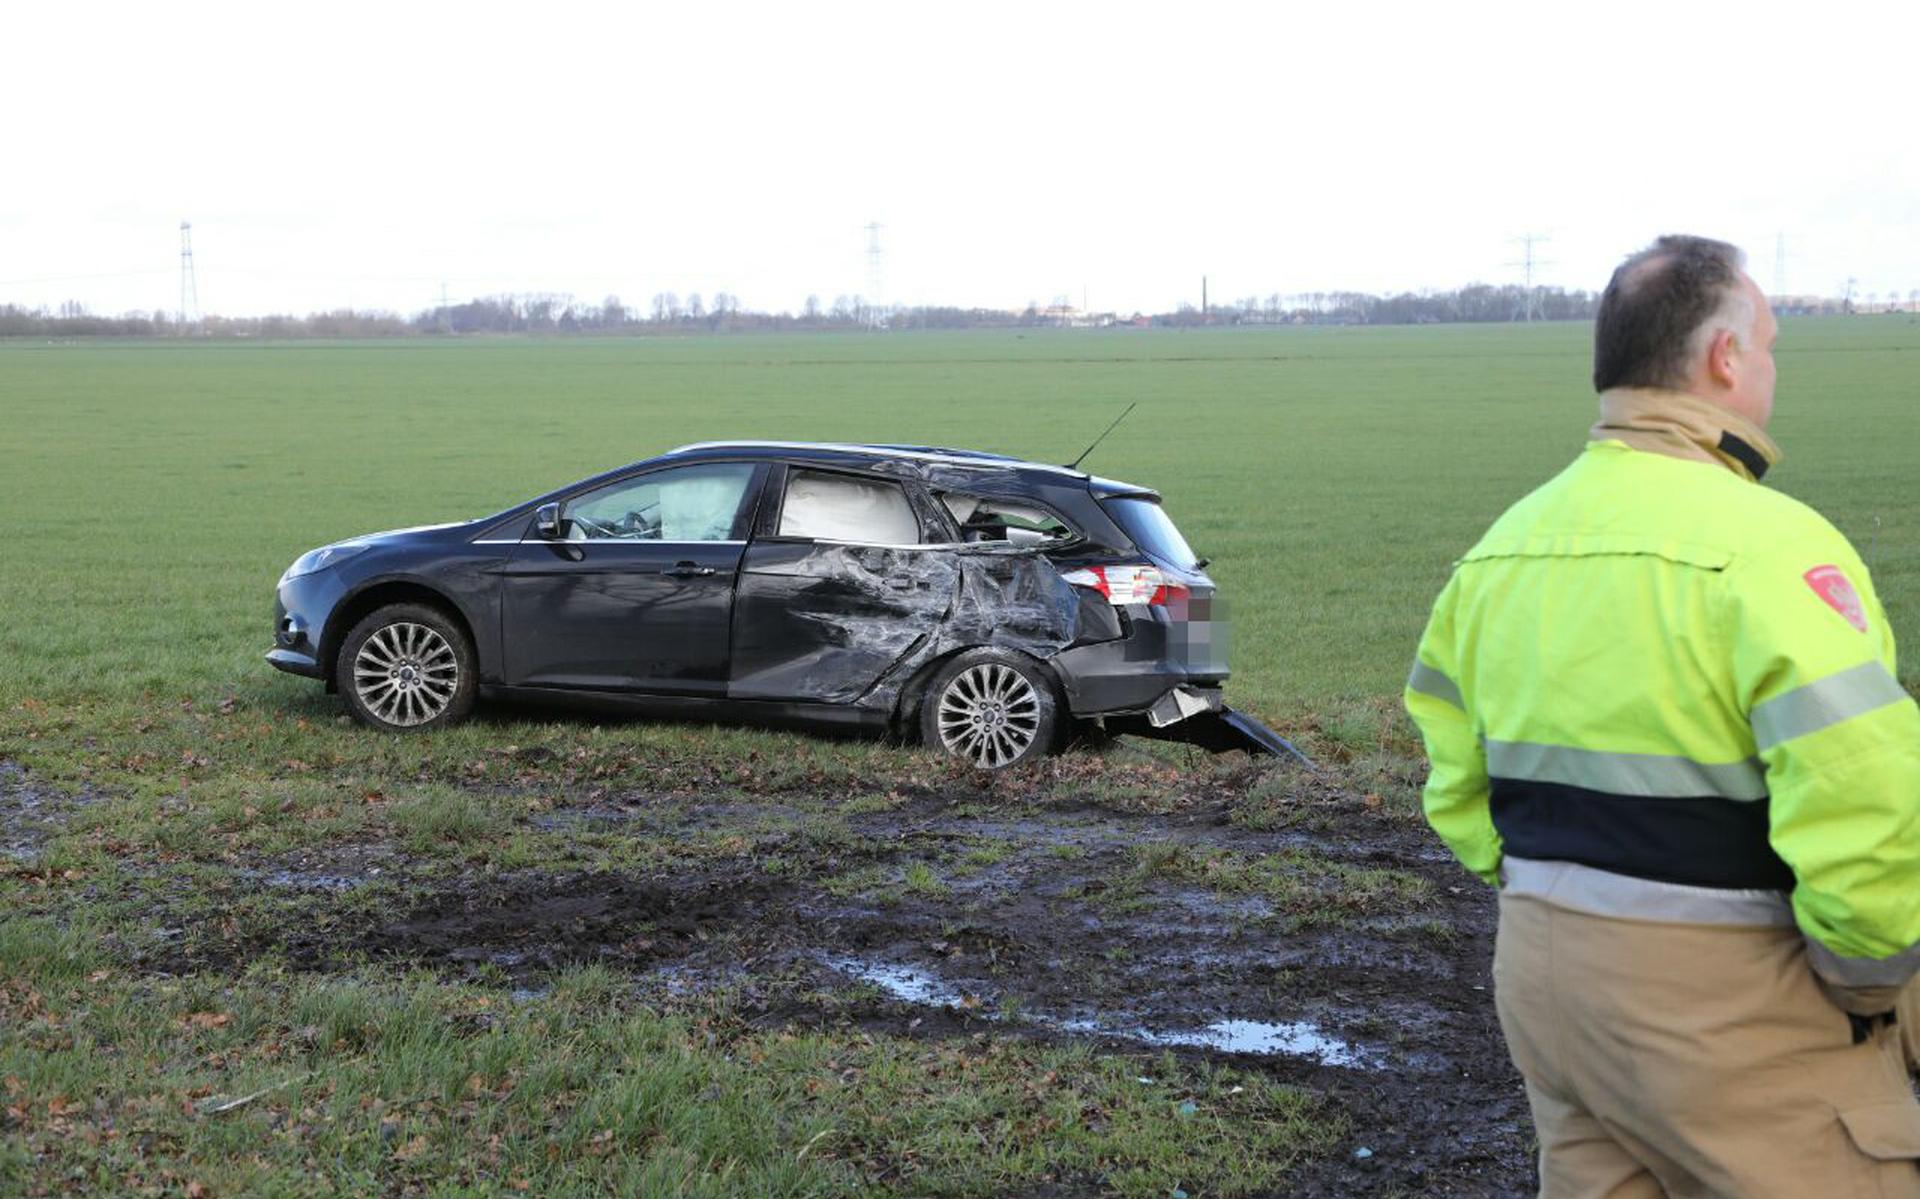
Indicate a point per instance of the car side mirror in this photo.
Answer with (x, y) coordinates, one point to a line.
(546, 521)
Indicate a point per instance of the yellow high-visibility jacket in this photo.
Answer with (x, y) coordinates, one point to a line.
(1677, 689)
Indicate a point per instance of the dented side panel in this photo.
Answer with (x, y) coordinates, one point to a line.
(823, 622)
(1010, 599)
(841, 624)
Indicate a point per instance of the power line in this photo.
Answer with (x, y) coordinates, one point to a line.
(1528, 261)
(189, 286)
(876, 278)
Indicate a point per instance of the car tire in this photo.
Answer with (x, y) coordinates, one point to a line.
(992, 709)
(407, 668)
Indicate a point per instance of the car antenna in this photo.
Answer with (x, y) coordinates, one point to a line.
(1075, 464)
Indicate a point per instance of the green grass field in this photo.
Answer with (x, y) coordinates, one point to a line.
(156, 775)
(155, 491)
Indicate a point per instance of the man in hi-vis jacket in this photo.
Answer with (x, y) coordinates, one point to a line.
(1663, 716)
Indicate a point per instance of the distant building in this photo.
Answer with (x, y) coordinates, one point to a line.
(1066, 316)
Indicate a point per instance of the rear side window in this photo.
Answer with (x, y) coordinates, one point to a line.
(984, 520)
(1148, 524)
(839, 508)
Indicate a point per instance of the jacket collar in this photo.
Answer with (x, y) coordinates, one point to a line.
(1681, 425)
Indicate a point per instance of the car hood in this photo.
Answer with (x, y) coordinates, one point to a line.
(408, 533)
(393, 536)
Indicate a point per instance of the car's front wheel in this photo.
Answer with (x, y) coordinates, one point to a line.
(406, 668)
(991, 708)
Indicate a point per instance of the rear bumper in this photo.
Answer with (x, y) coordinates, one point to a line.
(1116, 677)
(1132, 674)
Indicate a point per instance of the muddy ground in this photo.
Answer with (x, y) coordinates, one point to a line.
(1331, 943)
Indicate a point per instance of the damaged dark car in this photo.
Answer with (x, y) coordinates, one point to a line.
(987, 606)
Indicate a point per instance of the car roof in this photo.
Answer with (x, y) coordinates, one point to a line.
(916, 453)
(845, 454)
(1047, 472)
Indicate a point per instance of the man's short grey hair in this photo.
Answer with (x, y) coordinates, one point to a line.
(1662, 309)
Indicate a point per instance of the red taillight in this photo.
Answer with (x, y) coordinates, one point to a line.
(1127, 584)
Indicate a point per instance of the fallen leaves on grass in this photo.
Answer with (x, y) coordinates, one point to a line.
(414, 1147)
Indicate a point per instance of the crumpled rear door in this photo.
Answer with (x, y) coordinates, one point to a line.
(823, 622)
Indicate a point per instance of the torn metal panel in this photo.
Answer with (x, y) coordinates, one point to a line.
(825, 622)
(1014, 600)
(1182, 702)
(1008, 598)
(1225, 730)
(856, 624)
(959, 477)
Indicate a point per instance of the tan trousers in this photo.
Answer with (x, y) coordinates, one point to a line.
(1909, 1010)
(1685, 1060)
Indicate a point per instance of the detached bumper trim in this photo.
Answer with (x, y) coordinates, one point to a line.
(1182, 702)
(294, 662)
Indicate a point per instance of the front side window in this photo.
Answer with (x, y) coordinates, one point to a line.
(686, 503)
(839, 508)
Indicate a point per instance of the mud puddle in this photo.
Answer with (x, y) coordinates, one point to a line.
(30, 815)
(334, 869)
(1257, 1037)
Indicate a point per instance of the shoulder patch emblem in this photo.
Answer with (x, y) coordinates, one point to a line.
(1831, 584)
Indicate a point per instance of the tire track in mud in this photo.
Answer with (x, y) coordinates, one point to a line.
(1053, 930)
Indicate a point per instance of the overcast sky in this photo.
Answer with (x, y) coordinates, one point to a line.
(348, 154)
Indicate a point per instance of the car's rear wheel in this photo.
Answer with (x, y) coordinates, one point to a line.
(992, 709)
(406, 668)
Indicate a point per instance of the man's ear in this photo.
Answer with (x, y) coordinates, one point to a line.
(1721, 354)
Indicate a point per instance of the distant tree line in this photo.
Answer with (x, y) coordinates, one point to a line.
(668, 313)
(73, 320)
(1475, 303)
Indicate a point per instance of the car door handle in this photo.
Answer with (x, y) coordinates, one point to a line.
(900, 584)
(687, 570)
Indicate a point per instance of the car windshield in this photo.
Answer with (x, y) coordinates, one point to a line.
(1152, 530)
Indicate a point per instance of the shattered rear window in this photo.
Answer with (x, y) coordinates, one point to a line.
(1148, 524)
(986, 520)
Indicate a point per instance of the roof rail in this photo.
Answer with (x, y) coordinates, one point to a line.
(916, 453)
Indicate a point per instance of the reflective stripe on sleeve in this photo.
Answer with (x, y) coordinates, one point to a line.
(1623, 897)
(1428, 681)
(1648, 775)
(1822, 704)
(1863, 972)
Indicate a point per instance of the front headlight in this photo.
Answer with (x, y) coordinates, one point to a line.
(320, 559)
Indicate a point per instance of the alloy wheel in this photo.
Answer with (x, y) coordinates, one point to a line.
(406, 673)
(989, 714)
